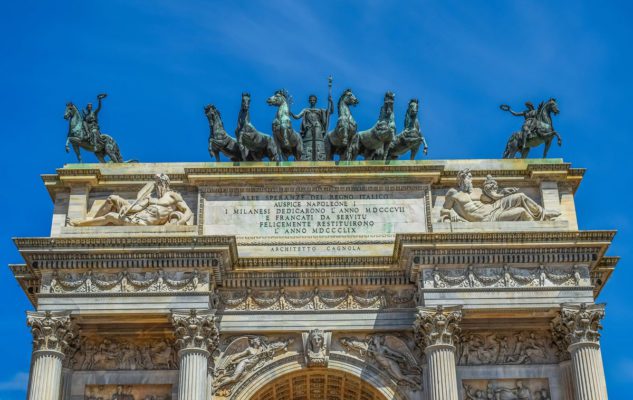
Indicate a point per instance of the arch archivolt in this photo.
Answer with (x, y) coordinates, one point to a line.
(347, 373)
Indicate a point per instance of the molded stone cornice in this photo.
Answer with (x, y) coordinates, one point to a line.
(195, 329)
(52, 331)
(437, 325)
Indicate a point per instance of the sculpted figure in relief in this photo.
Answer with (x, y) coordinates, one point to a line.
(167, 208)
(315, 347)
(236, 362)
(391, 355)
(494, 204)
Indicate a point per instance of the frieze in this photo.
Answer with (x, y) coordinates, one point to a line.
(505, 277)
(313, 299)
(506, 347)
(112, 353)
(127, 282)
(484, 389)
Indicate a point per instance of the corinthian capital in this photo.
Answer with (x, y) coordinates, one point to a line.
(53, 331)
(437, 325)
(195, 329)
(577, 323)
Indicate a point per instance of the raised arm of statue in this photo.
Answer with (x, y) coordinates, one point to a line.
(99, 98)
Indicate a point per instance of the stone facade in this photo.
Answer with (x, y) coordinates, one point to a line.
(359, 280)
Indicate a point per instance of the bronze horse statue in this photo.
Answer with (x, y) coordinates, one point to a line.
(541, 132)
(338, 141)
(219, 140)
(411, 137)
(374, 143)
(288, 142)
(79, 138)
(253, 144)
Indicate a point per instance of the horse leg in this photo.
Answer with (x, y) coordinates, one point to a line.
(101, 156)
(525, 152)
(414, 152)
(299, 149)
(548, 143)
(77, 151)
(328, 148)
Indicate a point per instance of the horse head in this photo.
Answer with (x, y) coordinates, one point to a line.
(278, 99)
(246, 101)
(214, 117)
(348, 98)
(386, 110)
(71, 111)
(412, 113)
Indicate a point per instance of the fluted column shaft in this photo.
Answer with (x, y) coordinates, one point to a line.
(52, 334)
(436, 330)
(46, 375)
(576, 332)
(197, 336)
(193, 383)
(567, 380)
(588, 372)
(442, 383)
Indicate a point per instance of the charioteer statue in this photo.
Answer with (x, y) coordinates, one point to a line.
(314, 127)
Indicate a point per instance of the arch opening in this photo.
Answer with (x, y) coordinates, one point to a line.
(318, 384)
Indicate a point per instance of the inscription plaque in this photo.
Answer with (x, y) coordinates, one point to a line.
(315, 220)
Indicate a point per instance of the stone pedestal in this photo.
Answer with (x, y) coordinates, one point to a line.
(52, 333)
(436, 330)
(197, 337)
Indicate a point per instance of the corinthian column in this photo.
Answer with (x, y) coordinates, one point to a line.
(52, 332)
(577, 330)
(436, 330)
(196, 337)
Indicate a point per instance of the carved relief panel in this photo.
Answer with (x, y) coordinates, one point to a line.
(114, 353)
(500, 347)
(128, 392)
(506, 389)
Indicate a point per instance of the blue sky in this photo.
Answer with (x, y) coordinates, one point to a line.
(161, 61)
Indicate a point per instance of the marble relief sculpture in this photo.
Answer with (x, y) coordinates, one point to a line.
(167, 208)
(506, 348)
(390, 354)
(242, 356)
(495, 204)
(503, 390)
(316, 347)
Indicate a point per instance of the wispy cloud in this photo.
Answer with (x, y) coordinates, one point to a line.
(19, 381)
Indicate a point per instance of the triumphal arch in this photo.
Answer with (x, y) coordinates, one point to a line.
(372, 280)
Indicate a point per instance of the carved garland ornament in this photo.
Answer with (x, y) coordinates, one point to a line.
(491, 277)
(315, 299)
(128, 282)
